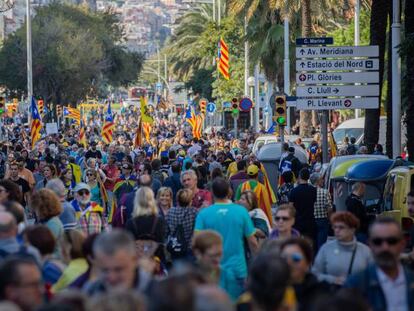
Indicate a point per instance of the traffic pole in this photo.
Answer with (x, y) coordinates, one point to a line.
(235, 127)
(396, 79)
(324, 125)
(356, 38)
(286, 68)
(29, 58)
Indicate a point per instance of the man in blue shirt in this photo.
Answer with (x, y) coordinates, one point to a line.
(233, 223)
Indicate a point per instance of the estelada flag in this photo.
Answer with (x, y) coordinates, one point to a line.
(35, 123)
(223, 65)
(107, 129)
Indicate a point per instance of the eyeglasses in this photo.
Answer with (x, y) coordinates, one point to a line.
(392, 240)
(339, 227)
(83, 192)
(281, 218)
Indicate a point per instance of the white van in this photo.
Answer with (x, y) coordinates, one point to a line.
(355, 128)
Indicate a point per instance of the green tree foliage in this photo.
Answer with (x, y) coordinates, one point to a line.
(192, 53)
(75, 53)
(345, 35)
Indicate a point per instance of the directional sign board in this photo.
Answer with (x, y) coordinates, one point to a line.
(337, 65)
(337, 51)
(336, 103)
(337, 77)
(337, 90)
(314, 41)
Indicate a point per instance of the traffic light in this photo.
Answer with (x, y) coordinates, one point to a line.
(235, 107)
(280, 110)
(235, 104)
(2, 105)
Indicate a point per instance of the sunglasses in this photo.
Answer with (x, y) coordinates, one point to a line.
(281, 218)
(83, 192)
(90, 174)
(295, 257)
(389, 240)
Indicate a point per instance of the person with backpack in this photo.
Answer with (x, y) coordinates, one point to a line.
(290, 163)
(126, 181)
(180, 220)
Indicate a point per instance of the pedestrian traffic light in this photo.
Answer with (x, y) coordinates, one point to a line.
(2, 105)
(280, 110)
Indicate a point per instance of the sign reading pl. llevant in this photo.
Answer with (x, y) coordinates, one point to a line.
(336, 103)
(337, 51)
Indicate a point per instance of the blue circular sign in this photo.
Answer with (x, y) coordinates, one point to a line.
(211, 107)
(245, 104)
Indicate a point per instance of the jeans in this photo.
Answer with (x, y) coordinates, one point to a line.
(322, 227)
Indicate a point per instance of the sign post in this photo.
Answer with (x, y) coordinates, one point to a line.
(335, 77)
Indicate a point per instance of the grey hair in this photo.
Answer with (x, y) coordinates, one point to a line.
(57, 186)
(188, 172)
(314, 178)
(109, 243)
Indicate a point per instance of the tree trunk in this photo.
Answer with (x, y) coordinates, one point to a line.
(305, 128)
(388, 104)
(378, 34)
(409, 78)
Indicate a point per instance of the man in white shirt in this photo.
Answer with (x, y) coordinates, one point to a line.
(386, 285)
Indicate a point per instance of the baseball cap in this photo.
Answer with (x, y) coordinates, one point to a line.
(252, 170)
(82, 186)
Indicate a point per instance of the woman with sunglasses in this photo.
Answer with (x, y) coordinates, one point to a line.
(284, 221)
(298, 254)
(344, 255)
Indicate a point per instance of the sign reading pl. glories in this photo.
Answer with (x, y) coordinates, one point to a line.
(336, 103)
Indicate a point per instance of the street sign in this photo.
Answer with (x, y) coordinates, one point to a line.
(291, 101)
(337, 90)
(245, 104)
(337, 51)
(314, 41)
(337, 103)
(337, 77)
(211, 107)
(227, 105)
(337, 65)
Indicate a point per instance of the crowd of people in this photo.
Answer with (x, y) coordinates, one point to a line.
(180, 223)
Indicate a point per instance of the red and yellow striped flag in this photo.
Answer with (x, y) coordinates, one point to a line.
(107, 128)
(146, 127)
(198, 126)
(223, 59)
(138, 135)
(82, 133)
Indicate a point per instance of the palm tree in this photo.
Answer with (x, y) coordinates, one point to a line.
(409, 75)
(378, 28)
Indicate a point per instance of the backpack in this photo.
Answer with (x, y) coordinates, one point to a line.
(176, 242)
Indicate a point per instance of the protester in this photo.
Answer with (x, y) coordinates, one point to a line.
(116, 262)
(220, 216)
(386, 284)
(339, 258)
(180, 220)
(10, 191)
(207, 247)
(164, 200)
(303, 198)
(21, 283)
(248, 199)
(285, 188)
(201, 197)
(355, 205)
(284, 221)
(298, 254)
